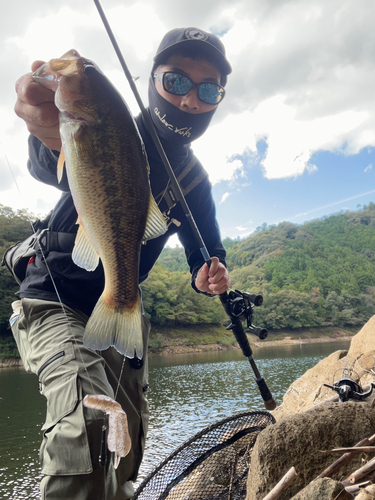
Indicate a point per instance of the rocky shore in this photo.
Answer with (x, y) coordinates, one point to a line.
(311, 422)
(319, 448)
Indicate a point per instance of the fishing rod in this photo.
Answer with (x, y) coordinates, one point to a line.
(236, 324)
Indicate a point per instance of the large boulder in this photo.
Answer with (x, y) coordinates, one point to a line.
(323, 489)
(299, 440)
(308, 390)
(358, 363)
(363, 342)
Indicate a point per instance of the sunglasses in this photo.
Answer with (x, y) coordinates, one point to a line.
(174, 83)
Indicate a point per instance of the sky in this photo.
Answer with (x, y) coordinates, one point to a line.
(294, 138)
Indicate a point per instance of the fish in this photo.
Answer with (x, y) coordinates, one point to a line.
(118, 439)
(108, 175)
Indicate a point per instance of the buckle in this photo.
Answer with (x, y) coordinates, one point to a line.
(44, 240)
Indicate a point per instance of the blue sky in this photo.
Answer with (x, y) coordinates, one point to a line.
(339, 182)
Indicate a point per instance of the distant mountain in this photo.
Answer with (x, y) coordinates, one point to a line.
(321, 273)
(316, 274)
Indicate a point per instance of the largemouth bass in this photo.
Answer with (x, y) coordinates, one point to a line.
(108, 175)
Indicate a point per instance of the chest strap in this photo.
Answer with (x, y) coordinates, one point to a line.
(168, 193)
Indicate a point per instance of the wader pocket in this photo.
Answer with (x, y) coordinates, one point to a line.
(48, 369)
(65, 449)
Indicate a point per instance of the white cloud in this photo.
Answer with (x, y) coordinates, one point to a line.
(291, 141)
(224, 197)
(303, 72)
(368, 168)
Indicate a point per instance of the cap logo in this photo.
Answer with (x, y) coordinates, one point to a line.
(194, 34)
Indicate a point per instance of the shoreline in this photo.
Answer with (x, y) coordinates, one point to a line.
(171, 350)
(318, 340)
(185, 349)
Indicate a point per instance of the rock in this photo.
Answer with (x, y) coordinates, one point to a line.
(323, 489)
(298, 441)
(371, 489)
(365, 494)
(308, 390)
(10, 362)
(363, 342)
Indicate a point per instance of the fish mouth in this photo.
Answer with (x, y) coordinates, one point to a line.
(50, 73)
(69, 117)
(46, 77)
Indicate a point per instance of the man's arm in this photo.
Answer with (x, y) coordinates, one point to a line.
(214, 279)
(36, 106)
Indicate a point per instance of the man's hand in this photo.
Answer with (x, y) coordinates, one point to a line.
(214, 279)
(36, 106)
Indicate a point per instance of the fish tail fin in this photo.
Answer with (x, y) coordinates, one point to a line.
(120, 329)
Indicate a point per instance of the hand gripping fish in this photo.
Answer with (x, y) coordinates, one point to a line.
(108, 175)
(118, 439)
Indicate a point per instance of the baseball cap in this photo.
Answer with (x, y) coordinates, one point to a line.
(200, 42)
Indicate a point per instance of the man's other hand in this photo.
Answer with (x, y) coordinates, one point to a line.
(214, 279)
(36, 106)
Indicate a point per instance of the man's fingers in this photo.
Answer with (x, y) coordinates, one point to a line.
(213, 267)
(36, 64)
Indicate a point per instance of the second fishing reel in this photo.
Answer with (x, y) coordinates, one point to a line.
(240, 305)
(347, 388)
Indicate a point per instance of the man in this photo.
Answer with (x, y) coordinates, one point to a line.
(186, 86)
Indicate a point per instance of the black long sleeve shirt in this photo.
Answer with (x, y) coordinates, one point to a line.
(81, 289)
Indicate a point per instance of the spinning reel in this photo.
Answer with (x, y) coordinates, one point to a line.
(348, 389)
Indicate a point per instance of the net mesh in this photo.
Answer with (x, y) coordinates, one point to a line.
(212, 465)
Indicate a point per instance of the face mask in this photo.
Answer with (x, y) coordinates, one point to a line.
(171, 123)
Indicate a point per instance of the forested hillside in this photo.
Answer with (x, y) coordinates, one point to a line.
(14, 226)
(321, 273)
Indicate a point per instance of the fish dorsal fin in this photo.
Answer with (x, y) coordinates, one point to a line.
(84, 255)
(156, 224)
(60, 165)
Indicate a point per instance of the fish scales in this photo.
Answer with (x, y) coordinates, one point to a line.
(109, 192)
(108, 176)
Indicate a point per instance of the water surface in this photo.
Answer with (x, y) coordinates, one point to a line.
(187, 393)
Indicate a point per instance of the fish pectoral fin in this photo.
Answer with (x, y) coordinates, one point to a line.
(60, 165)
(155, 224)
(84, 255)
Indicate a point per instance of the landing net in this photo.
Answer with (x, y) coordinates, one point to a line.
(212, 465)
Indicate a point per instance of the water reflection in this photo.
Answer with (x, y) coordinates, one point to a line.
(187, 393)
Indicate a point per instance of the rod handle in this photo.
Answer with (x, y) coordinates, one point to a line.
(269, 402)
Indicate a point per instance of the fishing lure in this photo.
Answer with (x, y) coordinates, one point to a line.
(118, 440)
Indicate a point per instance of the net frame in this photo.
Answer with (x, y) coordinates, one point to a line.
(182, 462)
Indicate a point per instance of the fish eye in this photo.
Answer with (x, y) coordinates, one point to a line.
(89, 69)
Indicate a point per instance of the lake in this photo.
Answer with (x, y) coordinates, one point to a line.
(187, 393)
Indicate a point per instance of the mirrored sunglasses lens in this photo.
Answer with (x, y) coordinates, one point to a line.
(210, 93)
(176, 84)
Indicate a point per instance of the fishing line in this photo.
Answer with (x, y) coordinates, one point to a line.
(78, 346)
(119, 380)
(52, 279)
(150, 126)
(62, 304)
(237, 328)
